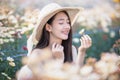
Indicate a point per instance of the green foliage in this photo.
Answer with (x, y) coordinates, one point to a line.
(101, 41)
(14, 50)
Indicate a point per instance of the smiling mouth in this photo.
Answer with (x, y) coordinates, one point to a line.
(65, 32)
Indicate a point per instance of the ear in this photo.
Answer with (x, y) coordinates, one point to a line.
(48, 27)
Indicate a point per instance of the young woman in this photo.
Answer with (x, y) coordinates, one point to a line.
(57, 38)
(54, 34)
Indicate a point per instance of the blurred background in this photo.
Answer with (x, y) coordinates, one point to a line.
(100, 20)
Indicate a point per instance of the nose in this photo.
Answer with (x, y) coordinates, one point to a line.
(67, 26)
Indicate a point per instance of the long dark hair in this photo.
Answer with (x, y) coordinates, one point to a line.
(67, 44)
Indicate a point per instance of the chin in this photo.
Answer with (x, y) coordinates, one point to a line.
(65, 38)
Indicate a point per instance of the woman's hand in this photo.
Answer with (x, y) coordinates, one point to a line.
(86, 42)
(57, 51)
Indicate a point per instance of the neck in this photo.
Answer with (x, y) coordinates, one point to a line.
(52, 40)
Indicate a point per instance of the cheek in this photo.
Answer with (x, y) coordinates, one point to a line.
(56, 28)
(56, 31)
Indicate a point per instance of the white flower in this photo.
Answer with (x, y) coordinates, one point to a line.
(10, 59)
(105, 29)
(11, 40)
(11, 32)
(76, 40)
(11, 12)
(112, 34)
(12, 19)
(3, 17)
(81, 32)
(1, 53)
(1, 41)
(4, 74)
(6, 40)
(9, 35)
(11, 63)
(24, 29)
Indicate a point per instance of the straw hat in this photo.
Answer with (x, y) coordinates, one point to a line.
(45, 14)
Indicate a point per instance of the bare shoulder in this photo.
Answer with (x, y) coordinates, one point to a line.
(37, 55)
(36, 51)
(34, 56)
(39, 52)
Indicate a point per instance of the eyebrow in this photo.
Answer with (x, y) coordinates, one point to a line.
(62, 19)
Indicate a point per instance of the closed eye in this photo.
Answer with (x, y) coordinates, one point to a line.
(61, 23)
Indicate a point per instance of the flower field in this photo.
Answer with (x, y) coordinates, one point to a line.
(102, 60)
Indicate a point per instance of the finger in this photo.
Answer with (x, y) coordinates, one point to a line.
(83, 41)
(88, 37)
(54, 46)
(86, 40)
(57, 46)
(89, 41)
(61, 48)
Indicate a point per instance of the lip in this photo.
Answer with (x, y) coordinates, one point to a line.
(65, 32)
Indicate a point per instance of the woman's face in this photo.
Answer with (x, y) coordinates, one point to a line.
(60, 26)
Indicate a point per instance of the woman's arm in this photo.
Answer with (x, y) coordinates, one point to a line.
(86, 42)
(78, 58)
